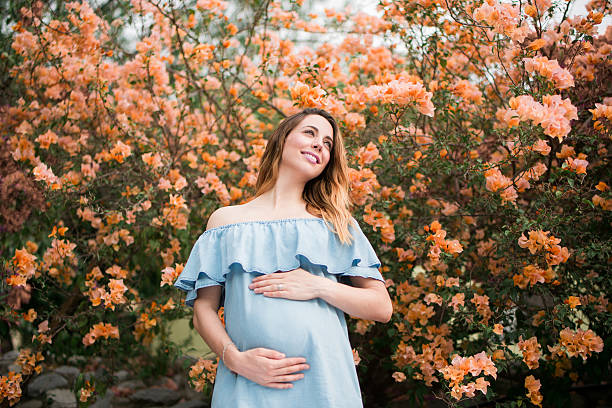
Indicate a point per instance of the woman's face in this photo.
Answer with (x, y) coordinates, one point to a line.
(309, 145)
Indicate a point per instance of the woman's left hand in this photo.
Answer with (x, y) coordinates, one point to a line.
(297, 284)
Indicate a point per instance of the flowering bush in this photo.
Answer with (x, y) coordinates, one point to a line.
(479, 137)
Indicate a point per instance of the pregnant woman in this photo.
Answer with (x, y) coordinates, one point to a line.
(286, 266)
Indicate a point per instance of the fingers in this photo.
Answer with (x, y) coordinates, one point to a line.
(290, 361)
(280, 371)
(288, 378)
(265, 352)
(279, 385)
(268, 285)
(291, 369)
(267, 276)
(283, 381)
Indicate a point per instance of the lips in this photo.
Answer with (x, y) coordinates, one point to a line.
(313, 155)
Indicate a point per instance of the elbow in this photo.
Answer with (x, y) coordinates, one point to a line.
(195, 319)
(387, 315)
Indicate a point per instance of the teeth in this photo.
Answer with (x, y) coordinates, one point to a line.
(311, 155)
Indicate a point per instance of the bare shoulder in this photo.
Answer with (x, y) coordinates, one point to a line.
(222, 216)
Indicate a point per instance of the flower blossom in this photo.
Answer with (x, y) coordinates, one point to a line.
(551, 70)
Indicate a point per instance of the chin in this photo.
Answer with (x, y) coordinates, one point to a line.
(314, 176)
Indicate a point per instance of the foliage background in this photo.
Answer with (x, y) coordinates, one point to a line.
(479, 144)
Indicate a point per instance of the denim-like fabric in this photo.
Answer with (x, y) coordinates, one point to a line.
(231, 256)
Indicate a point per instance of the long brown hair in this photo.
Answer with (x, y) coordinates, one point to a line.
(327, 194)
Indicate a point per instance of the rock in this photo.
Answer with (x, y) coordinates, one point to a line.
(68, 372)
(130, 385)
(101, 374)
(121, 375)
(62, 398)
(121, 402)
(77, 360)
(162, 396)
(9, 356)
(7, 360)
(45, 382)
(190, 393)
(166, 382)
(179, 378)
(104, 402)
(30, 404)
(196, 403)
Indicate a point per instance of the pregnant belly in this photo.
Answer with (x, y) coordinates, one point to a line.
(289, 326)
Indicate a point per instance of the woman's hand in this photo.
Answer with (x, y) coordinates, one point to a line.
(297, 284)
(266, 367)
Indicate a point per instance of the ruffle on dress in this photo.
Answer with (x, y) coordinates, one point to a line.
(272, 246)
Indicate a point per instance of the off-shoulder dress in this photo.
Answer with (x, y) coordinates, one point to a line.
(231, 256)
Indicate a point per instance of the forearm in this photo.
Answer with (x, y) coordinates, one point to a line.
(363, 303)
(207, 323)
(210, 328)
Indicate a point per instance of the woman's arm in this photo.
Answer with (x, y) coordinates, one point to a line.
(207, 323)
(264, 366)
(368, 300)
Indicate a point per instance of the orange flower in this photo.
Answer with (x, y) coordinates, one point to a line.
(202, 371)
(368, 154)
(10, 387)
(551, 70)
(308, 96)
(457, 300)
(459, 367)
(30, 316)
(536, 44)
(86, 392)
(169, 274)
(232, 29)
(28, 361)
(572, 301)
(531, 351)
(398, 376)
(467, 91)
(578, 343)
(99, 330)
(576, 165)
(498, 355)
(533, 387)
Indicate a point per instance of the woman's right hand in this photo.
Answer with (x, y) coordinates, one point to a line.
(265, 366)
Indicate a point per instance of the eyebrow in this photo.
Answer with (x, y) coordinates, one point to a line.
(317, 130)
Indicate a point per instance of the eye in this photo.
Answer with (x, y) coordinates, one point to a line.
(310, 131)
(329, 144)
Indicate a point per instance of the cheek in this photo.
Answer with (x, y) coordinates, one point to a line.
(327, 158)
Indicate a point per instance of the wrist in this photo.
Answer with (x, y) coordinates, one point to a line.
(323, 287)
(232, 356)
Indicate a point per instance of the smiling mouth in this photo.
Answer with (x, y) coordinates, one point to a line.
(315, 160)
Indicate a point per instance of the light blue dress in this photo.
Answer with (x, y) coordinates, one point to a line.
(231, 256)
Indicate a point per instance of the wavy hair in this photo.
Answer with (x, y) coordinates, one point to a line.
(327, 194)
